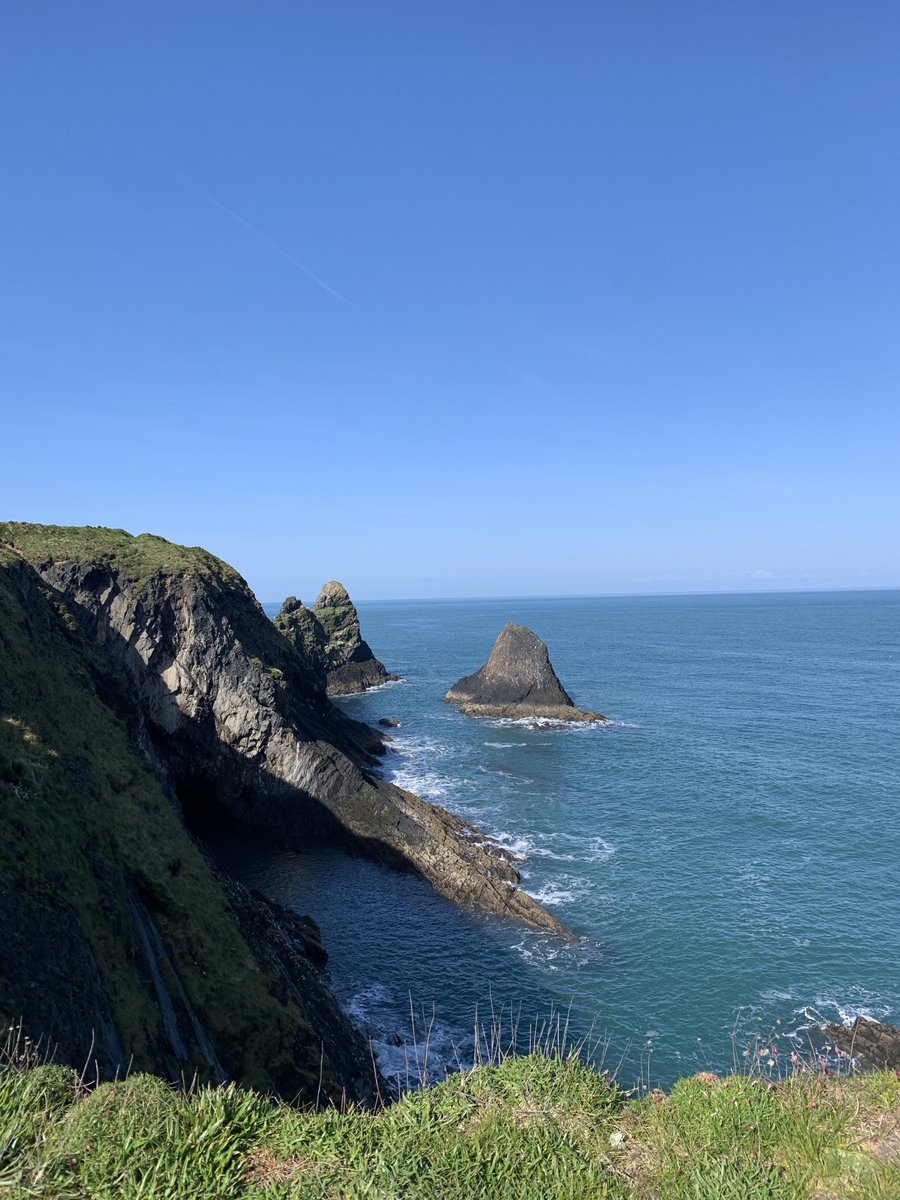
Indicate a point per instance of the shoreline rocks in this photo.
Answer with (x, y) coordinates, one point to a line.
(518, 681)
(875, 1045)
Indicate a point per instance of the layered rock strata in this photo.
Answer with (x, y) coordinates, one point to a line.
(518, 681)
(328, 634)
(236, 716)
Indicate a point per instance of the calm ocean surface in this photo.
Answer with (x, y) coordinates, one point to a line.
(728, 851)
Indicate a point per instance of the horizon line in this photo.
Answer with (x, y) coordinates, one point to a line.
(770, 591)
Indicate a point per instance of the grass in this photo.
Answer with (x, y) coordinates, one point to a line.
(137, 559)
(537, 1127)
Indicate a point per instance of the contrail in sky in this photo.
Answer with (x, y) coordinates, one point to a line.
(251, 228)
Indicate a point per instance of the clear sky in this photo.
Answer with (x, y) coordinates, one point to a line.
(475, 297)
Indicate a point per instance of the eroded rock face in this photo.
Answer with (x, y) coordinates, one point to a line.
(518, 680)
(236, 718)
(328, 634)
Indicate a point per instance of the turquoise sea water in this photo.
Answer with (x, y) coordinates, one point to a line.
(728, 851)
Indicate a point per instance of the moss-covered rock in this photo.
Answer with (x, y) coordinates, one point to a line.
(328, 637)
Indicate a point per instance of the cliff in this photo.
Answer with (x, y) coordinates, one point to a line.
(518, 680)
(236, 718)
(121, 943)
(329, 636)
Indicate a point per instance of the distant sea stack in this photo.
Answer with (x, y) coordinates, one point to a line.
(517, 680)
(328, 635)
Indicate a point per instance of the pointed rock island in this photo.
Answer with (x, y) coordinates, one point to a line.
(328, 635)
(517, 680)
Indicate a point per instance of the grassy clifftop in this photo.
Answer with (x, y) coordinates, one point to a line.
(138, 559)
(533, 1128)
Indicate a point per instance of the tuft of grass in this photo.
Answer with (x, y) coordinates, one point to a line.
(742, 1137)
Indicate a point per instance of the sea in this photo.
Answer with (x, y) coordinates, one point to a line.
(726, 849)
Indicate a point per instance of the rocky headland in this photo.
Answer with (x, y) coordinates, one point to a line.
(144, 694)
(329, 636)
(518, 681)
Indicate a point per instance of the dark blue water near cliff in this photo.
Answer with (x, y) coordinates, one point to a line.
(728, 851)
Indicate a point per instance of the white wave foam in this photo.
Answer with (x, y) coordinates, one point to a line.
(505, 745)
(565, 889)
(365, 1000)
(412, 1048)
(522, 847)
(589, 850)
(379, 687)
(600, 850)
(825, 1010)
(410, 765)
(535, 723)
(555, 723)
(552, 954)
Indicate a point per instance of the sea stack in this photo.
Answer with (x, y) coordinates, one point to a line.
(328, 636)
(517, 681)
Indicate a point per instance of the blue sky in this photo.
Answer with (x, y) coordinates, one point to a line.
(459, 298)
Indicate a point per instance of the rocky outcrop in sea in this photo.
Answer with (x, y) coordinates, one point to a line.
(517, 681)
(328, 635)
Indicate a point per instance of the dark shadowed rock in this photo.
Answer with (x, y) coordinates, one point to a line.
(328, 636)
(876, 1046)
(517, 680)
(389, 722)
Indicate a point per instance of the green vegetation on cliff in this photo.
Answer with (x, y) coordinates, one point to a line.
(532, 1128)
(119, 939)
(138, 559)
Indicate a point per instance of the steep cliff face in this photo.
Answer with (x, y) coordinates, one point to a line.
(518, 680)
(121, 944)
(237, 718)
(329, 636)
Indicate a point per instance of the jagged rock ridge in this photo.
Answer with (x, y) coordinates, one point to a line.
(235, 716)
(518, 680)
(329, 635)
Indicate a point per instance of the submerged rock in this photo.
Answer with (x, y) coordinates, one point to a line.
(328, 636)
(517, 680)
